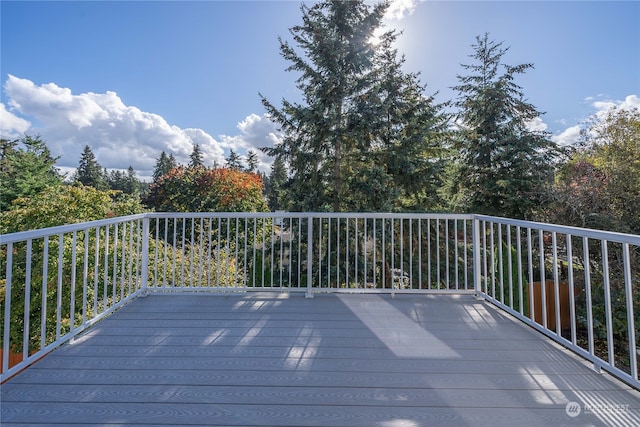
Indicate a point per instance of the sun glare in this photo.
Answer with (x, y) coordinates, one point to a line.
(376, 38)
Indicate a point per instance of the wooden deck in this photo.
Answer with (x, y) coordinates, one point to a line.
(261, 359)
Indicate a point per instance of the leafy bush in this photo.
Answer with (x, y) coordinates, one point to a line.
(60, 205)
(66, 204)
(200, 189)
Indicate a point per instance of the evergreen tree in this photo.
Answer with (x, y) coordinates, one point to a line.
(501, 166)
(252, 161)
(276, 195)
(89, 171)
(7, 148)
(116, 180)
(196, 157)
(405, 130)
(266, 184)
(163, 165)
(335, 64)
(132, 184)
(234, 161)
(363, 138)
(26, 171)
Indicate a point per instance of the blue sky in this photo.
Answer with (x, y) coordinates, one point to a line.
(133, 78)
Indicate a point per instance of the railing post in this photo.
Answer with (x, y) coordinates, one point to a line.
(477, 282)
(628, 285)
(145, 256)
(6, 337)
(309, 293)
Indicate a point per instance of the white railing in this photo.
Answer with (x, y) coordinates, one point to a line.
(310, 252)
(580, 287)
(56, 282)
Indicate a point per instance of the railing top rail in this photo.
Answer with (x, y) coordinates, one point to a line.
(52, 231)
(285, 214)
(609, 236)
(574, 231)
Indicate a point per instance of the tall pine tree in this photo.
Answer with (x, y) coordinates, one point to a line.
(336, 156)
(89, 171)
(164, 164)
(234, 161)
(132, 183)
(196, 157)
(26, 168)
(405, 131)
(334, 60)
(252, 161)
(276, 194)
(501, 165)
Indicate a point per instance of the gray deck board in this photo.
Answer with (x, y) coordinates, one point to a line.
(334, 360)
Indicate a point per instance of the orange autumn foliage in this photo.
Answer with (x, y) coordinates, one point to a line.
(200, 189)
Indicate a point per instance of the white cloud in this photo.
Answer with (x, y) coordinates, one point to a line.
(11, 126)
(631, 102)
(571, 135)
(398, 9)
(119, 135)
(255, 132)
(212, 152)
(568, 137)
(537, 125)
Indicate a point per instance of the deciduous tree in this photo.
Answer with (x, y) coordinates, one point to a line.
(66, 204)
(199, 189)
(599, 187)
